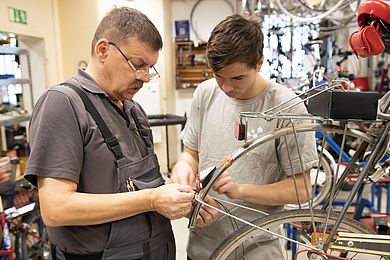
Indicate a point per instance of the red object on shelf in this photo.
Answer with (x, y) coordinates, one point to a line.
(361, 83)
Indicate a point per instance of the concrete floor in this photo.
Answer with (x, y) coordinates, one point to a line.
(181, 236)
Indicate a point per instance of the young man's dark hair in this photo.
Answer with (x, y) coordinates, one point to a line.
(235, 39)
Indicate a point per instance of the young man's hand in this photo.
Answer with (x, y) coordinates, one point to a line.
(207, 215)
(182, 174)
(226, 185)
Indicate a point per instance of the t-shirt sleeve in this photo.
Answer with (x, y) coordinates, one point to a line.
(56, 141)
(297, 152)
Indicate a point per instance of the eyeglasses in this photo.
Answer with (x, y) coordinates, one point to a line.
(139, 74)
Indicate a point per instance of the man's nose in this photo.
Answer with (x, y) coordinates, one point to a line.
(145, 78)
(227, 87)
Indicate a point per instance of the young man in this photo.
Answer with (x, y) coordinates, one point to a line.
(100, 189)
(263, 177)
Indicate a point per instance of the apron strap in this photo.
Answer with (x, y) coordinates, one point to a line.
(109, 138)
(142, 131)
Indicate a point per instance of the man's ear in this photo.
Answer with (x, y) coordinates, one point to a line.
(260, 63)
(101, 48)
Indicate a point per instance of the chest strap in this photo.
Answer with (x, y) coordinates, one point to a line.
(109, 138)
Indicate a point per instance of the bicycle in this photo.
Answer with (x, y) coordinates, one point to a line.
(323, 233)
(23, 234)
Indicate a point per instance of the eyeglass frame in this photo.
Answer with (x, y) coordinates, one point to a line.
(141, 73)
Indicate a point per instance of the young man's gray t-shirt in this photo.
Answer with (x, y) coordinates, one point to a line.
(210, 130)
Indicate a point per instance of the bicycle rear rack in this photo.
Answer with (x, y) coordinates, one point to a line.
(363, 243)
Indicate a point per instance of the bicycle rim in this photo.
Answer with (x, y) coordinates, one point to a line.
(235, 246)
(270, 137)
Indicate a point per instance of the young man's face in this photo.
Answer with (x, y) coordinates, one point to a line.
(237, 80)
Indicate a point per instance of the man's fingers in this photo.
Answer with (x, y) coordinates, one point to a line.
(186, 188)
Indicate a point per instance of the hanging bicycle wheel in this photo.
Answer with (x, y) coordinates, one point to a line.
(304, 11)
(306, 231)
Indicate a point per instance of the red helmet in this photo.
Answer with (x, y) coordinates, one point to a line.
(374, 35)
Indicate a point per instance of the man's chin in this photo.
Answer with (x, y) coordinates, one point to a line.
(231, 95)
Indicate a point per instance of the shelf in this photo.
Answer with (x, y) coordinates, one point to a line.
(187, 86)
(191, 64)
(20, 57)
(193, 70)
(193, 79)
(12, 50)
(12, 116)
(190, 43)
(4, 82)
(8, 120)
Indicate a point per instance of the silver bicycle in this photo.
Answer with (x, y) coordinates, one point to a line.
(312, 229)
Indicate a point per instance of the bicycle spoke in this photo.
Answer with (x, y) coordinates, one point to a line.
(252, 225)
(301, 234)
(293, 174)
(240, 206)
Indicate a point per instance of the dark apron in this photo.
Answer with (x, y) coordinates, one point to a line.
(147, 235)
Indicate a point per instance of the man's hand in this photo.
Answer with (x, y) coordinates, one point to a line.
(183, 172)
(226, 185)
(207, 215)
(172, 200)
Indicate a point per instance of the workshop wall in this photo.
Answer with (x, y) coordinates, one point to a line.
(40, 34)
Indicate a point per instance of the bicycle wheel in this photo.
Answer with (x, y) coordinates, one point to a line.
(31, 243)
(300, 224)
(302, 12)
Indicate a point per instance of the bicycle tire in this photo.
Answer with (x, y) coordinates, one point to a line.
(231, 243)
